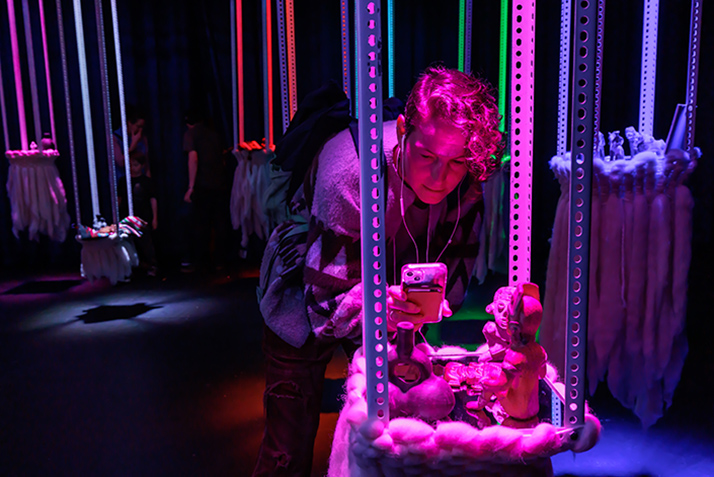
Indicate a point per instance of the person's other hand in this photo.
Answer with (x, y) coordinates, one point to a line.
(135, 137)
(187, 196)
(399, 309)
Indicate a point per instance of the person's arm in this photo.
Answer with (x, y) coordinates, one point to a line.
(332, 273)
(192, 169)
(147, 166)
(118, 152)
(155, 211)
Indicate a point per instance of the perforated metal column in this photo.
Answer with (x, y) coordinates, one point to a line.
(369, 72)
(283, 48)
(345, 26)
(563, 76)
(695, 33)
(522, 89)
(583, 100)
(648, 70)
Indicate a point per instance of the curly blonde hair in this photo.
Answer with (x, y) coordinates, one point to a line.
(469, 104)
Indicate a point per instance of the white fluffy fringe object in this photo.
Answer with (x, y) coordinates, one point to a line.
(409, 446)
(37, 195)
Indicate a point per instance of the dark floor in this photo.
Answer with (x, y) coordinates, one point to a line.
(163, 377)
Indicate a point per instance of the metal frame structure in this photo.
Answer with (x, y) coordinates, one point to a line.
(585, 32)
(372, 163)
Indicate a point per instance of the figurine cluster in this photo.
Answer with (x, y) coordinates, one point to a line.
(501, 387)
(637, 143)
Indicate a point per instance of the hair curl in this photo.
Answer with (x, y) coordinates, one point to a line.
(466, 102)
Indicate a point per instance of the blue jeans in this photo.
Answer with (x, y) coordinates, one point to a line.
(294, 379)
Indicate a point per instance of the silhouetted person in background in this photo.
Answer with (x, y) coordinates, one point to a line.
(208, 193)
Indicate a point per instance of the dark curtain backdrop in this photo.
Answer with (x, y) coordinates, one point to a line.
(176, 55)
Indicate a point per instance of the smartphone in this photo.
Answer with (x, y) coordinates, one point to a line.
(425, 285)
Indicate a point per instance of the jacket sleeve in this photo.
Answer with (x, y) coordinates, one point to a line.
(333, 286)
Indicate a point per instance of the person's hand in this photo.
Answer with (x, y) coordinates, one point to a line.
(187, 196)
(155, 223)
(399, 309)
(135, 137)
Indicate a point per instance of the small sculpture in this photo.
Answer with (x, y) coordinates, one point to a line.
(496, 332)
(524, 363)
(616, 149)
(599, 147)
(635, 140)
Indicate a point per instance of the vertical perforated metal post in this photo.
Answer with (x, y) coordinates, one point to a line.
(468, 27)
(292, 72)
(267, 74)
(583, 121)
(563, 75)
(369, 71)
(345, 27)
(283, 47)
(648, 70)
(390, 48)
(695, 33)
(522, 96)
(600, 48)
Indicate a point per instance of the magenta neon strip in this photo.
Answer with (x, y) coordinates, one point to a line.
(47, 72)
(33, 73)
(239, 65)
(522, 95)
(18, 74)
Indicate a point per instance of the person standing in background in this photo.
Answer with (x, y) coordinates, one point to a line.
(208, 193)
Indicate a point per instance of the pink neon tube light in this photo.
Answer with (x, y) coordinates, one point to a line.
(18, 74)
(47, 72)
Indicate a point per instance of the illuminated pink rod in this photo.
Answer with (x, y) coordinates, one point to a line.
(239, 66)
(47, 72)
(267, 74)
(33, 74)
(522, 95)
(234, 73)
(18, 74)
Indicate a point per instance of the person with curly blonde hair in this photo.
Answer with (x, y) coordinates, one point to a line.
(437, 155)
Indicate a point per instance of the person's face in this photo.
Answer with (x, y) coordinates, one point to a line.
(137, 127)
(499, 309)
(434, 158)
(135, 168)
